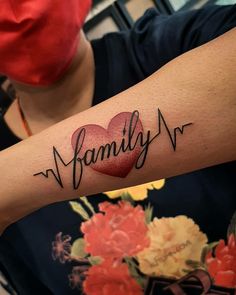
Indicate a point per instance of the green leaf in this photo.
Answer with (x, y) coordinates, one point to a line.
(133, 270)
(194, 264)
(88, 204)
(94, 260)
(148, 213)
(77, 248)
(77, 207)
(232, 226)
(206, 250)
(186, 270)
(127, 197)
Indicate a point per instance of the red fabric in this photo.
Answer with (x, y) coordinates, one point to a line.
(38, 38)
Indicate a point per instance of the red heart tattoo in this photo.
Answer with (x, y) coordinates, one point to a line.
(112, 151)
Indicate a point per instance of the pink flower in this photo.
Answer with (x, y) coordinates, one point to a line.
(121, 231)
(106, 279)
(222, 265)
(77, 276)
(61, 248)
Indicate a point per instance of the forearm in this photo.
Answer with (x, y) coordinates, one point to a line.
(195, 92)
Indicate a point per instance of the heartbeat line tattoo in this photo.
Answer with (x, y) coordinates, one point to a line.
(113, 151)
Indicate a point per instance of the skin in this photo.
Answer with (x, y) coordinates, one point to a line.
(202, 93)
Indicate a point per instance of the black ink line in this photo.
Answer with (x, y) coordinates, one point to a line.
(56, 174)
(112, 148)
(173, 138)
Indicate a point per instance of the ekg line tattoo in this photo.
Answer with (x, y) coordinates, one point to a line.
(115, 150)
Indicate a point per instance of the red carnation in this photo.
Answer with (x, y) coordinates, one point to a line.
(222, 265)
(121, 231)
(107, 278)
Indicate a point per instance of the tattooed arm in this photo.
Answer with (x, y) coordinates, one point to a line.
(180, 119)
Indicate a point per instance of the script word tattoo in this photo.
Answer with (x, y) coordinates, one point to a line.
(113, 151)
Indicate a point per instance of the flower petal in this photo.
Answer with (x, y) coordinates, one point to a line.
(138, 192)
(225, 279)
